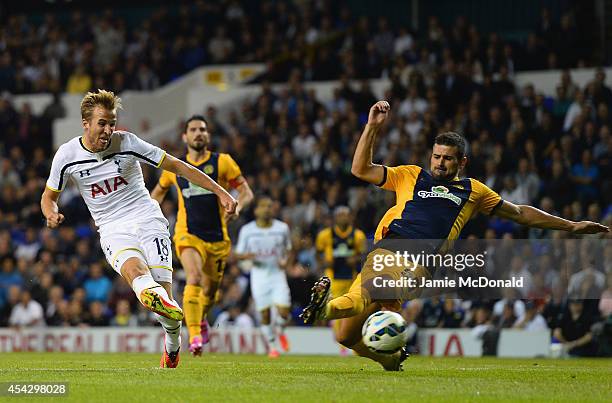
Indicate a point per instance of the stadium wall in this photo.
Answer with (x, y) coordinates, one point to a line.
(304, 341)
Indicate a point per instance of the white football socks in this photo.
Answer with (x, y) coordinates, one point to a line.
(146, 281)
(173, 332)
(281, 323)
(171, 327)
(268, 332)
(143, 282)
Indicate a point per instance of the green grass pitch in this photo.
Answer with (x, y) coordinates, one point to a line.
(135, 378)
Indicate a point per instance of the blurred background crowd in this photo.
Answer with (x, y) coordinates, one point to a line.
(553, 152)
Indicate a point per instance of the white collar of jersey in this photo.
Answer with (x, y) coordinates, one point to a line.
(114, 146)
(110, 142)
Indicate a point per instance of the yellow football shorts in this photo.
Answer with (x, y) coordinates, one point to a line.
(214, 254)
(338, 286)
(367, 283)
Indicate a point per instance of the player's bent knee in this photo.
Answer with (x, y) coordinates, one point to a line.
(347, 339)
(194, 277)
(133, 267)
(209, 289)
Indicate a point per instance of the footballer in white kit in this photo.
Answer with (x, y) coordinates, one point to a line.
(267, 243)
(111, 183)
(105, 166)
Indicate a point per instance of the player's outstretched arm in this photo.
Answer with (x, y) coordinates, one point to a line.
(286, 262)
(245, 196)
(199, 178)
(50, 209)
(243, 256)
(533, 217)
(363, 167)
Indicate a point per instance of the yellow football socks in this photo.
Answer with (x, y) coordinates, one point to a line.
(207, 303)
(192, 308)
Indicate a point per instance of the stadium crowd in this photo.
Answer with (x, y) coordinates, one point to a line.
(323, 38)
(550, 151)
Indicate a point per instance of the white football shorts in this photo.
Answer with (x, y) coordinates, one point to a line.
(269, 287)
(148, 240)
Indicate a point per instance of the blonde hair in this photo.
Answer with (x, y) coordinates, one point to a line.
(103, 98)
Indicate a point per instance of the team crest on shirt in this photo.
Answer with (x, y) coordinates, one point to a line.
(343, 250)
(441, 192)
(194, 190)
(209, 169)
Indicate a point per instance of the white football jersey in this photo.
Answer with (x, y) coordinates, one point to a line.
(268, 244)
(111, 181)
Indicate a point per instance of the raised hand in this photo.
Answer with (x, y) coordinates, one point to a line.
(378, 113)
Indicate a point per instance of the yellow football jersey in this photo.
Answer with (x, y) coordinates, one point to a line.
(199, 211)
(427, 208)
(337, 246)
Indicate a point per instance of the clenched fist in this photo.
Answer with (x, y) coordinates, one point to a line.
(54, 220)
(378, 113)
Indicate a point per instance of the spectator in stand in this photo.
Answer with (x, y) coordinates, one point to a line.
(513, 191)
(605, 301)
(12, 299)
(430, 312)
(97, 286)
(75, 312)
(602, 331)
(28, 249)
(574, 330)
(481, 321)
(588, 282)
(8, 175)
(52, 310)
(451, 315)
(528, 179)
(574, 110)
(554, 307)
(9, 276)
(510, 297)
(79, 81)
(123, 315)
(221, 47)
(532, 320)
(507, 318)
(61, 317)
(412, 103)
(96, 315)
(303, 144)
(585, 174)
(27, 313)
